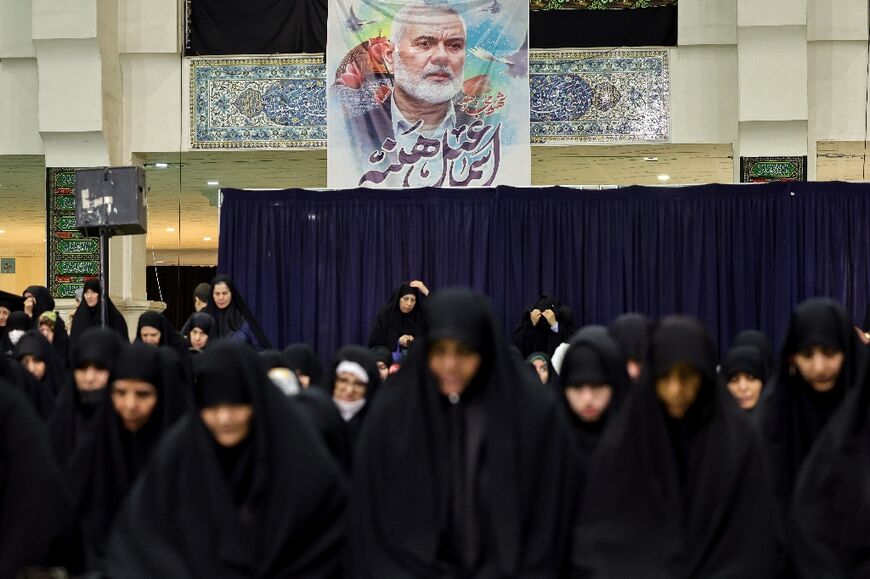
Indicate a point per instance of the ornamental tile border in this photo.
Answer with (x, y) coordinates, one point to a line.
(72, 258)
(597, 4)
(770, 169)
(577, 96)
(599, 96)
(263, 102)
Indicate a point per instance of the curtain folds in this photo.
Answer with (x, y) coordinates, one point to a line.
(316, 266)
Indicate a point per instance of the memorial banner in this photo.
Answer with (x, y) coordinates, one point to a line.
(428, 94)
(769, 169)
(72, 258)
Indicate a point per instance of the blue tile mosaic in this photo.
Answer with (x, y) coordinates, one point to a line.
(599, 96)
(268, 102)
(577, 96)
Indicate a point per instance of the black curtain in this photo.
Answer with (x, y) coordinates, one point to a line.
(174, 285)
(316, 266)
(255, 26)
(275, 26)
(595, 28)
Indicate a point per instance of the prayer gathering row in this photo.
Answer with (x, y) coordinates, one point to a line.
(439, 450)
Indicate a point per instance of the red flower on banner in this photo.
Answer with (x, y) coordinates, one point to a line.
(352, 76)
(376, 48)
(382, 92)
(476, 85)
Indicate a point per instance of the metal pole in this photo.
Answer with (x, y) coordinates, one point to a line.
(104, 275)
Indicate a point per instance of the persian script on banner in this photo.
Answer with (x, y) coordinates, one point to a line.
(428, 94)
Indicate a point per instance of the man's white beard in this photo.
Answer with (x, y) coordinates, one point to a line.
(426, 89)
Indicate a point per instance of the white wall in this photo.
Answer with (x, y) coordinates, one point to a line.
(741, 65)
(19, 110)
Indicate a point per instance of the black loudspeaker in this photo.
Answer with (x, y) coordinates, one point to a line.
(111, 198)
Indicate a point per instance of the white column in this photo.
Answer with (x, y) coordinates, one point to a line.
(772, 78)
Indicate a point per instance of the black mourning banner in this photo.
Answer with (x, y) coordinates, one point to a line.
(255, 26)
(294, 26)
(595, 28)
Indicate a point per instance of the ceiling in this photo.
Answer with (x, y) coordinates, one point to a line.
(181, 199)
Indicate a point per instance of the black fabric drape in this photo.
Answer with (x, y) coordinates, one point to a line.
(593, 28)
(736, 256)
(270, 26)
(255, 26)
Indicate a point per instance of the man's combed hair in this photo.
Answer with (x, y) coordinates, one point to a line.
(414, 12)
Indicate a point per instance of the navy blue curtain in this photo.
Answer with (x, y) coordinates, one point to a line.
(316, 266)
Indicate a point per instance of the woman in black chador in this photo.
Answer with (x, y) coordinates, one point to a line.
(354, 383)
(234, 321)
(144, 402)
(819, 364)
(38, 301)
(593, 385)
(544, 326)
(830, 518)
(631, 331)
(35, 514)
(241, 487)
(398, 322)
(677, 487)
(89, 313)
(304, 362)
(79, 400)
(464, 465)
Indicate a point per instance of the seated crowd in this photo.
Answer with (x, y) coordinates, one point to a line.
(438, 450)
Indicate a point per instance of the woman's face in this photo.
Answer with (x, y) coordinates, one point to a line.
(134, 402)
(91, 377)
(348, 387)
(222, 295)
(29, 302)
(819, 366)
(543, 370)
(678, 389)
(407, 303)
(383, 370)
(589, 401)
(46, 331)
(229, 424)
(454, 365)
(198, 338)
(150, 336)
(746, 389)
(91, 297)
(34, 365)
(304, 379)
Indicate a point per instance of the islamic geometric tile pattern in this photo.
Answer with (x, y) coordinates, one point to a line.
(577, 96)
